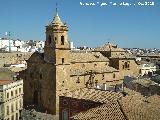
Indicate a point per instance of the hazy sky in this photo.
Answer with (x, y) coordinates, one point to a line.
(132, 26)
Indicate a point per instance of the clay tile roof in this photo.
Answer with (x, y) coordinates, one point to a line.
(144, 82)
(87, 57)
(137, 107)
(4, 82)
(123, 55)
(108, 111)
(131, 92)
(98, 69)
(82, 71)
(93, 95)
(109, 47)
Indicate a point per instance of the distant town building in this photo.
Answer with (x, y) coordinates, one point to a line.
(145, 86)
(14, 59)
(7, 45)
(10, 45)
(11, 99)
(148, 68)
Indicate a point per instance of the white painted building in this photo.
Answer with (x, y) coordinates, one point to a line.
(138, 58)
(11, 99)
(5, 43)
(147, 68)
(20, 46)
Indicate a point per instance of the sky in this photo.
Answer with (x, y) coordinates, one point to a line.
(89, 25)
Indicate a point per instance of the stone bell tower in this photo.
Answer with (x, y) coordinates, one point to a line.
(57, 45)
(57, 55)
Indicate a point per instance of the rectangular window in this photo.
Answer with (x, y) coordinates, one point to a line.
(62, 40)
(7, 95)
(7, 110)
(11, 93)
(20, 103)
(114, 75)
(123, 66)
(19, 90)
(16, 116)
(16, 106)
(65, 115)
(102, 76)
(62, 60)
(12, 117)
(12, 108)
(16, 92)
(40, 76)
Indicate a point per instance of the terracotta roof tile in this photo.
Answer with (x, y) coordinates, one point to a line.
(109, 47)
(108, 111)
(4, 82)
(82, 71)
(93, 95)
(79, 56)
(137, 107)
(144, 82)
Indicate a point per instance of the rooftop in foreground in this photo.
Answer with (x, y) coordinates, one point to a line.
(4, 82)
(93, 95)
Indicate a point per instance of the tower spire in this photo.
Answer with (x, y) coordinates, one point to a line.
(56, 9)
(57, 19)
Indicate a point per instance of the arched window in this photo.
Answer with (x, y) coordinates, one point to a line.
(62, 40)
(49, 39)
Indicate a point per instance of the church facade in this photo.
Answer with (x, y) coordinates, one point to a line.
(60, 69)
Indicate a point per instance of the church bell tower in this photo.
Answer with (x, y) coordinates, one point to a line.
(57, 55)
(57, 45)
